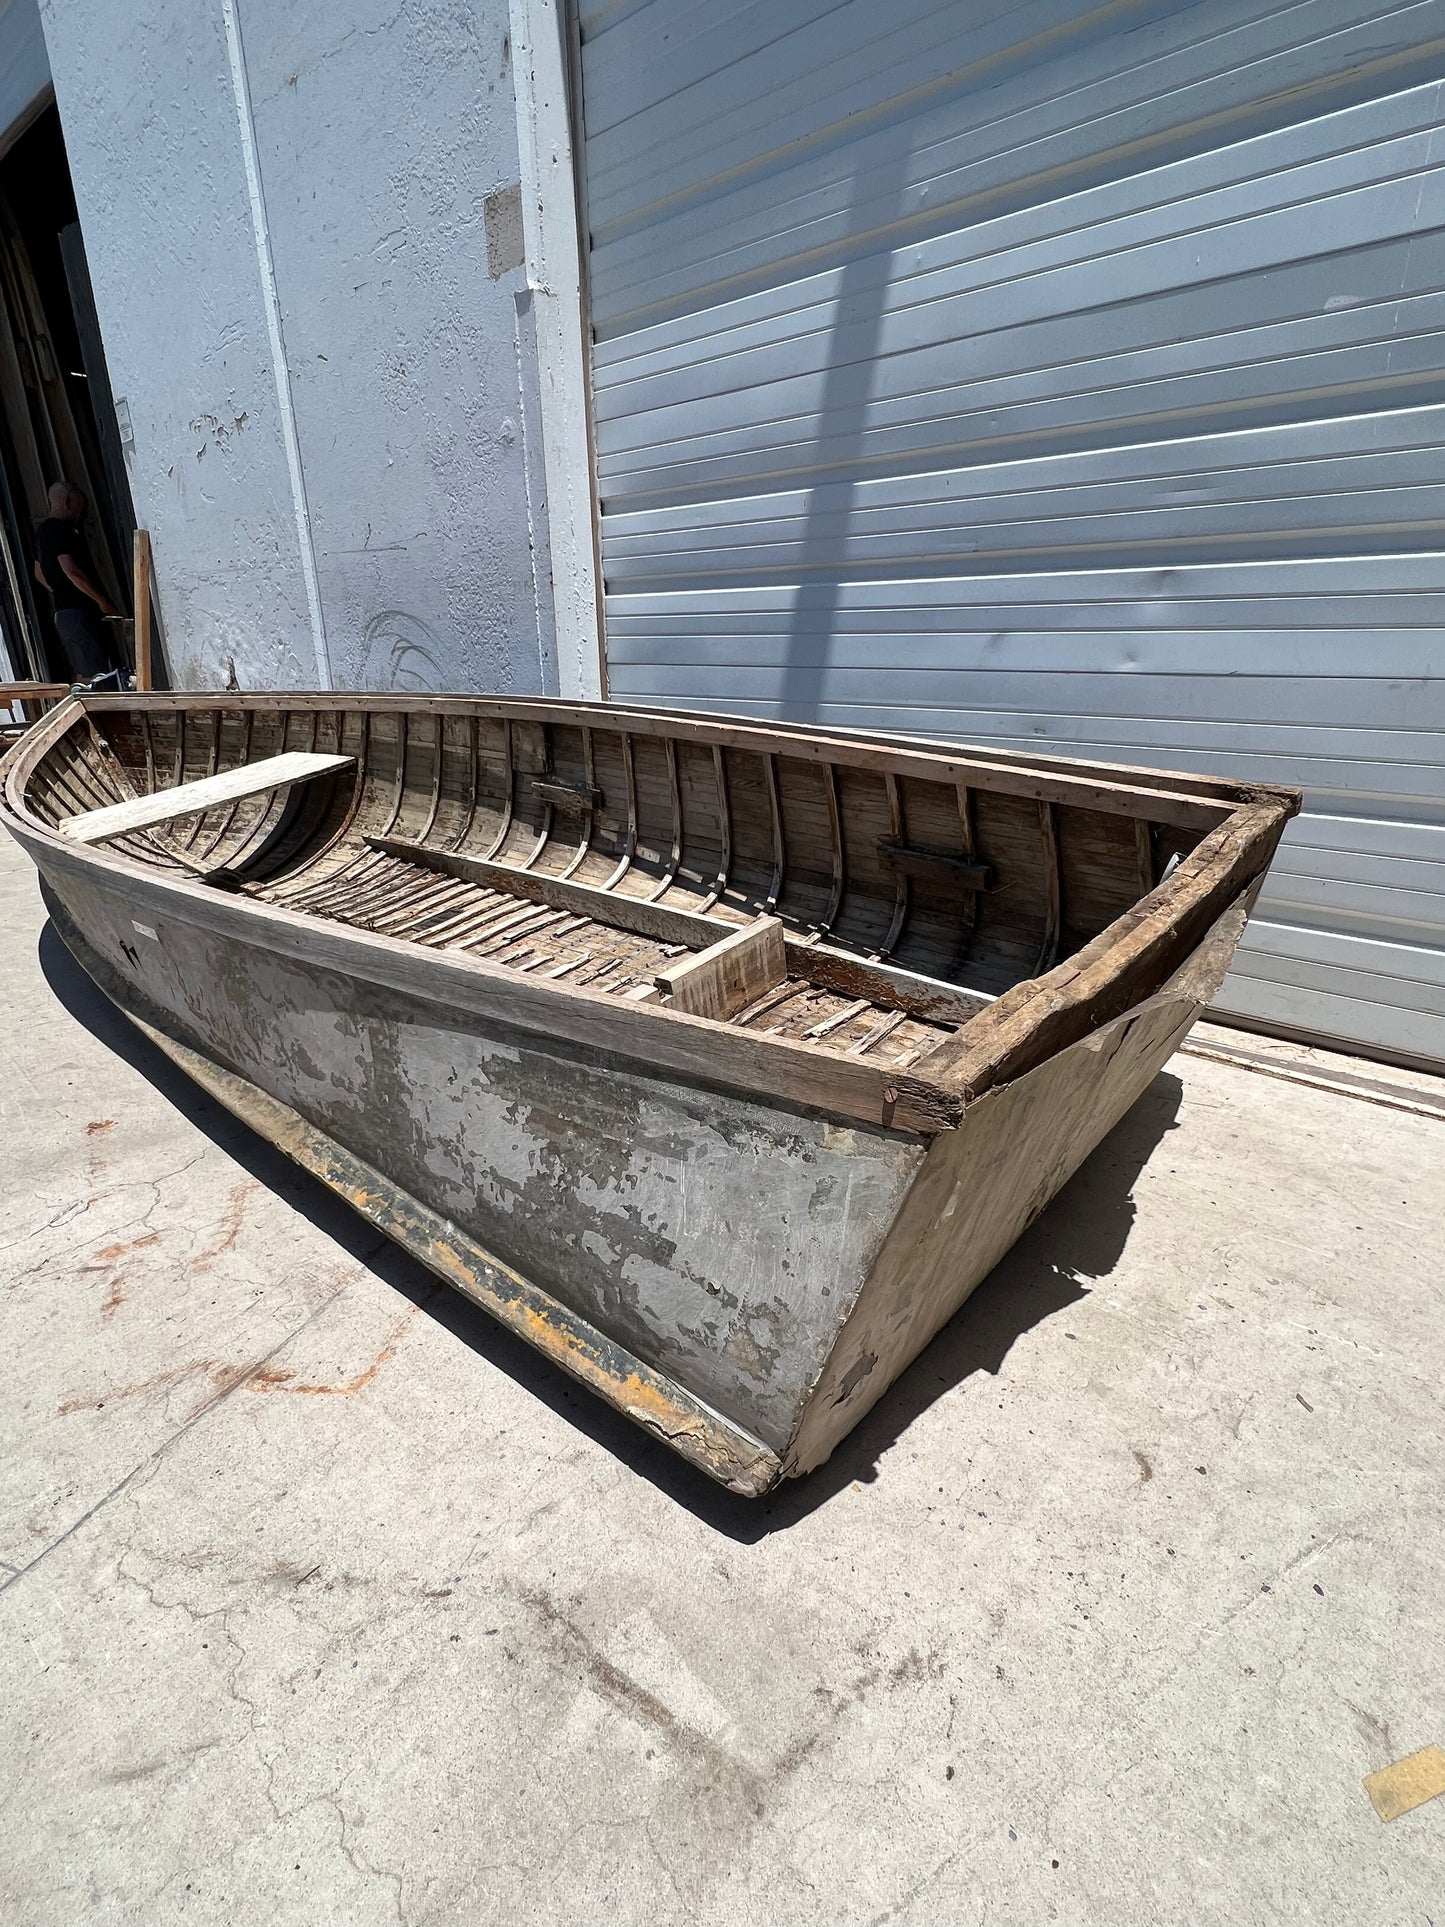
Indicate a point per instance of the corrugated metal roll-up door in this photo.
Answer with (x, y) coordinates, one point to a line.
(24, 67)
(1058, 375)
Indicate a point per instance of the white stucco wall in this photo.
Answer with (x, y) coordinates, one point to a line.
(332, 401)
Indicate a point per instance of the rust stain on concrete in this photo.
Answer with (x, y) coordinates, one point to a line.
(229, 1229)
(224, 1377)
(82, 1401)
(116, 1281)
(109, 1253)
(269, 1381)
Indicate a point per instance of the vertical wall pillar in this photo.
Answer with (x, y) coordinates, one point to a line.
(554, 275)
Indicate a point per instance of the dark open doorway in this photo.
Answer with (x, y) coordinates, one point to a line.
(57, 415)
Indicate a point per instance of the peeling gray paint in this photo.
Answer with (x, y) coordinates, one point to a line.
(506, 249)
(720, 1239)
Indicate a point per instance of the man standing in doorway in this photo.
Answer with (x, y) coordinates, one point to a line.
(63, 565)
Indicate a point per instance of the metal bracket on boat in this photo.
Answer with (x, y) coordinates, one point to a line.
(929, 866)
(569, 798)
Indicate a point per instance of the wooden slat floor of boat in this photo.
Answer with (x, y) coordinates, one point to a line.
(396, 899)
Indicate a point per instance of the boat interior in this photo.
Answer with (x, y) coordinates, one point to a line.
(863, 898)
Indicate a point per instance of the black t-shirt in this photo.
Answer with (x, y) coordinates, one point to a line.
(53, 539)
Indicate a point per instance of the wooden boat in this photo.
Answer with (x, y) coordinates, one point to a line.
(720, 1061)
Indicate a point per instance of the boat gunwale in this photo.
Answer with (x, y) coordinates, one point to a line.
(1065, 1002)
(1162, 795)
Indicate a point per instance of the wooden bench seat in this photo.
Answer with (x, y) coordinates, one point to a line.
(206, 793)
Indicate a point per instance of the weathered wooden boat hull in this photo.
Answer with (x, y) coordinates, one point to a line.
(741, 1274)
(765, 1334)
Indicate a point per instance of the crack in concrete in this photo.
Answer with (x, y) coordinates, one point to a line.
(231, 1678)
(68, 1213)
(918, 1887)
(153, 1458)
(359, 1864)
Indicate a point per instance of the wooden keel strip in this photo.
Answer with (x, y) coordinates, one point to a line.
(800, 1003)
(622, 912)
(795, 1014)
(484, 908)
(375, 892)
(572, 963)
(624, 956)
(313, 893)
(378, 891)
(531, 928)
(386, 906)
(452, 932)
(388, 881)
(442, 910)
(483, 942)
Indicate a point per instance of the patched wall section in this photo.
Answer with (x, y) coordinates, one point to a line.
(329, 385)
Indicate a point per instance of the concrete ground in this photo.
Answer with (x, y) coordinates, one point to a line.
(326, 1602)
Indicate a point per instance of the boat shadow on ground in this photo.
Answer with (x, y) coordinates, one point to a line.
(1079, 1239)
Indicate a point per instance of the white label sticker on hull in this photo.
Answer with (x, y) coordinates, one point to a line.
(144, 930)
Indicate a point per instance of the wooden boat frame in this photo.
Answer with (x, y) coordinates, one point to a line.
(1083, 1031)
